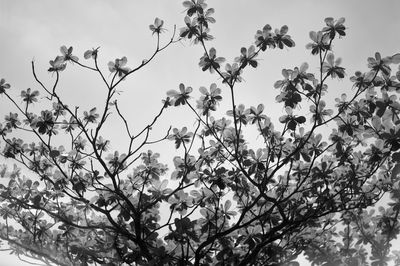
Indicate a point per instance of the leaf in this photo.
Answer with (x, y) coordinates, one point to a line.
(54, 154)
(3, 170)
(36, 200)
(292, 125)
(396, 157)
(300, 119)
(228, 205)
(381, 108)
(305, 156)
(395, 171)
(376, 122)
(395, 59)
(253, 63)
(288, 42)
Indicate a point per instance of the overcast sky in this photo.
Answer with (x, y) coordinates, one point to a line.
(36, 29)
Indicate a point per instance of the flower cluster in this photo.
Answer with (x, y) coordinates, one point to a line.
(322, 39)
(266, 38)
(59, 63)
(197, 21)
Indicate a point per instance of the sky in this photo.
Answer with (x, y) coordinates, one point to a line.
(35, 30)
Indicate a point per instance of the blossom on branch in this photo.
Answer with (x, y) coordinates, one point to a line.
(119, 67)
(210, 61)
(157, 27)
(3, 86)
(67, 54)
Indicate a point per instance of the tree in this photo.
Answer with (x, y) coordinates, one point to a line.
(228, 199)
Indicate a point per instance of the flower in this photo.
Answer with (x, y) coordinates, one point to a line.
(181, 136)
(194, 6)
(342, 104)
(69, 126)
(57, 64)
(181, 96)
(221, 125)
(92, 116)
(318, 114)
(331, 67)
(160, 189)
(210, 61)
(115, 160)
(102, 144)
(315, 144)
(288, 75)
(291, 120)
(361, 109)
(205, 17)
(76, 161)
(59, 109)
(79, 143)
(191, 28)
(180, 202)
(389, 83)
(46, 123)
(376, 151)
(267, 38)
(14, 147)
(4, 130)
(209, 100)
(300, 74)
(3, 86)
(334, 26)
(362, 80)
(282, 39)
(347, 124)
(185, 169)
(12, 120)
(118, 66)
(157, 26)
(225, 210)
(320, 42)
(241, 114)
(378, 63)
(203, 36)
(383, 103)
(232, 73)
(67, 54)
(29, 97)
(264, 38)
(29, 118)
(167, 102)
(247, 57)
(91, 53)
(256, 114)
(293, 77)
(321, 90)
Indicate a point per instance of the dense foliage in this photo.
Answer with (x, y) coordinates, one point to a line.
(222, 202)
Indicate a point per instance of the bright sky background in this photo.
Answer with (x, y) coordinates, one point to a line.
(36, 29)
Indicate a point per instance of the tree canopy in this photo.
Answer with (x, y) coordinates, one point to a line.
(241, 190)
